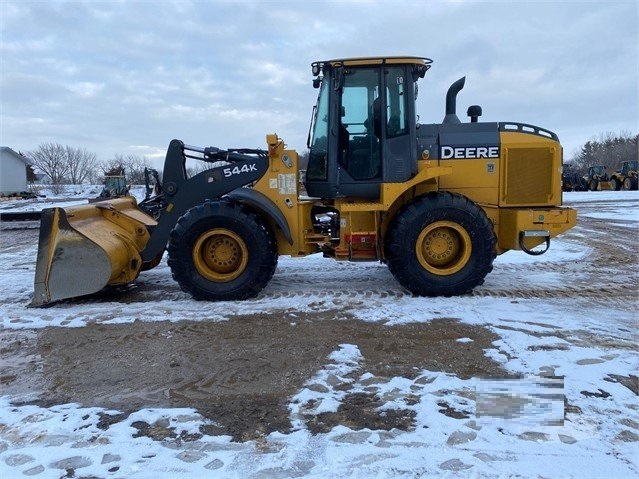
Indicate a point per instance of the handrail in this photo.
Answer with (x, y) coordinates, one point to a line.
(526, 128)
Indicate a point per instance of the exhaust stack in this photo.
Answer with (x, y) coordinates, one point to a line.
(451, 101)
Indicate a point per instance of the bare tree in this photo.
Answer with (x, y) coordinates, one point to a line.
(193, 167)
(50, 158)
(80, 163)
(133, 167)
(96, 174)
(111, 164)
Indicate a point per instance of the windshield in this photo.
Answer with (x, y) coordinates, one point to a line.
(628, 166)
(318, 143)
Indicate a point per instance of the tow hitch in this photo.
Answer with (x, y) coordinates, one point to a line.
(533, 234)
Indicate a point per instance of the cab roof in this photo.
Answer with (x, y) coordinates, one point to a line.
(371, 61)
(380, 60)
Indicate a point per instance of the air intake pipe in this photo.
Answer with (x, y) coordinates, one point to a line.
(451, 101)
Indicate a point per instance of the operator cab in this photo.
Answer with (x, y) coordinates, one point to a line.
(363, 127)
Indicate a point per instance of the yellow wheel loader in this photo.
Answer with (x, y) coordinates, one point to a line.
(626, 177)
(597, 179)
(436, 202)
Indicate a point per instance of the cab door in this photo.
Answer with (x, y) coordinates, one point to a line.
(399, 136)
(377, 135)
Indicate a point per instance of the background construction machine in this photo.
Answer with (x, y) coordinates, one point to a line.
(571, 180)
(625, 177)
(597, 178)
(114, 185)
(436, 202)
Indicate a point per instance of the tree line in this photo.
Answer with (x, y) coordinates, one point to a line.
(68, 165)
(608, 149)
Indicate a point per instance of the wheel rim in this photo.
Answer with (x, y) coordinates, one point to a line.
(443, 248)
(220, 255)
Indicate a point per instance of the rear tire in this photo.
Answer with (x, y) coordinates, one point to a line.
(630, 183)
(441, 244)
(222, 251)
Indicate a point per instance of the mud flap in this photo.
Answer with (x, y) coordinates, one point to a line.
(83, 249)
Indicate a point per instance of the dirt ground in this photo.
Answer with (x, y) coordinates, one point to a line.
(241, 373)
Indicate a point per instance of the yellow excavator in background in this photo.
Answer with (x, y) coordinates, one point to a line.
(436, 202)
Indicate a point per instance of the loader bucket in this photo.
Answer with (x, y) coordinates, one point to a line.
(83, 249)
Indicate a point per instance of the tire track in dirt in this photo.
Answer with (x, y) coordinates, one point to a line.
(240, 373)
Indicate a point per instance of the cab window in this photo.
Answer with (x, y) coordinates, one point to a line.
(396, 108)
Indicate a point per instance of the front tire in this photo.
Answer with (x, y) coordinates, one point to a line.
(222, 251)
(615, 184)
(441, 244)
(630, 183)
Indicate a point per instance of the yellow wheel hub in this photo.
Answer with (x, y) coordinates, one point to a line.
(443, 248)
(220, 255)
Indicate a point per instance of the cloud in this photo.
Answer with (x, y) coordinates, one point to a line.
(86, 89)
(107, 75)
(151, 152)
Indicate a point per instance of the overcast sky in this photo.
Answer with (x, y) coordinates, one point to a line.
(127, 77)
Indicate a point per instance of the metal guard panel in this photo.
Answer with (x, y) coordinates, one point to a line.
(530, 170)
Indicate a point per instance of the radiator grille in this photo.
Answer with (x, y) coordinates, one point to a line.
(528, 176)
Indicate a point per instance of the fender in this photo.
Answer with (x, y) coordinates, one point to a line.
(264, 204)
(392, 191)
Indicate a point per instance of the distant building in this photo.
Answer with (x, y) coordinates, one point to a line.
(13, 171)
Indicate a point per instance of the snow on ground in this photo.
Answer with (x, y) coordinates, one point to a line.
(70, 195)
(581, 340)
